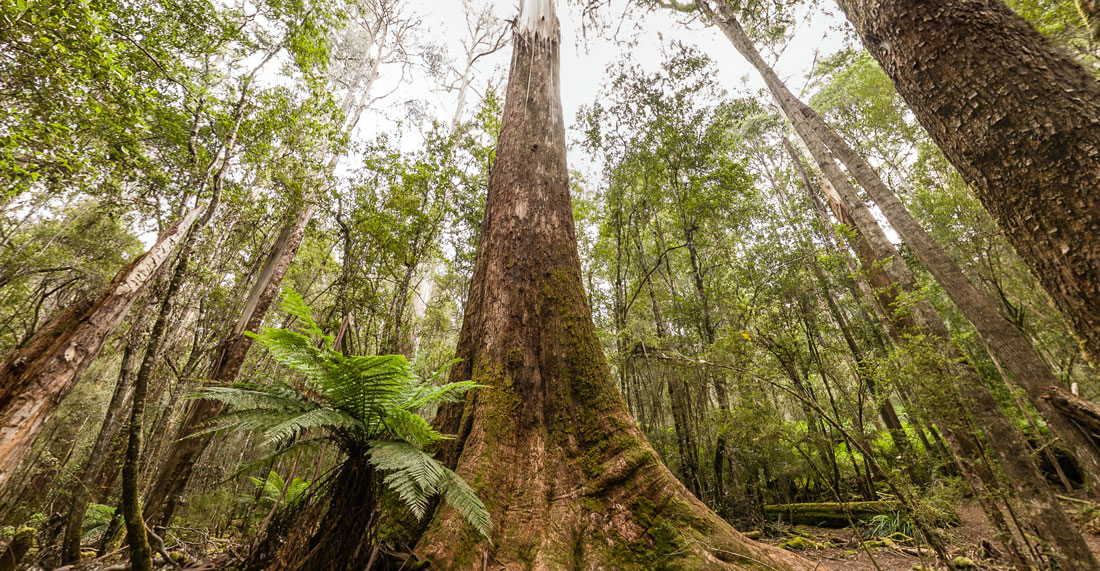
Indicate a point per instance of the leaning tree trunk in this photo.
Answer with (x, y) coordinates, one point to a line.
(175, 471)
(568, 477)
(1018, 117)
(1038, 507)
(90, 472)
(35, 377)
(1008, 344)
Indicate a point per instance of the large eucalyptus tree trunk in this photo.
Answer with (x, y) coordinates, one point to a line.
(569, 479)
(37, 376)
(1018, 117)
(1010, 346)
(175, 471)
(1039, 510)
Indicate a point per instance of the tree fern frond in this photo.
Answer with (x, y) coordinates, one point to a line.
(410, 472)
(296, 306)
(294, 350)
(253, 419)
(414, 475)
(460, 496)
(319, 418)
(247, 395)
(450, 392)
(411, 427)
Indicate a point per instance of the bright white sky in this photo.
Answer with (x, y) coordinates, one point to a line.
(584, 63)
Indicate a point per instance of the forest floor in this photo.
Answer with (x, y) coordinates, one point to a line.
(840, 549)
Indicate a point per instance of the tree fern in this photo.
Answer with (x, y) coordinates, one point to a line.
(368, 405)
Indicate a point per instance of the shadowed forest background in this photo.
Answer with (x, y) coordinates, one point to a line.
(297, 285)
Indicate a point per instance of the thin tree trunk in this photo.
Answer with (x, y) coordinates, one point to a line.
(551, 440)
(1011, 346)
(1040, 510)
(1018, 117)
(175, 472)
(35, 377)
(90, 473)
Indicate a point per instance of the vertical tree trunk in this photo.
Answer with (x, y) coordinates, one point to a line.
(175, 471)
(35, 377)
(1018, 117)
(566, 474)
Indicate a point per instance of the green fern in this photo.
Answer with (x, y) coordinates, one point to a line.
(368, 405)
(271, 489)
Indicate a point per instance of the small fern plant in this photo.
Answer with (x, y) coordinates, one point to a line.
(367, 405)
(271, 489)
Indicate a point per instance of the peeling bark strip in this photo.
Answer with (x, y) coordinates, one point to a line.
(1018, 117)
(36, 377)
(569, 479)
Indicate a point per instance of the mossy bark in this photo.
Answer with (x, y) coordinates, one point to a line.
(14, 553)
(175, 471)
(568, 477)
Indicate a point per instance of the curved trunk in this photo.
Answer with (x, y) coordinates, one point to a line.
(37, 376)
(1018, 117)
(566, 474)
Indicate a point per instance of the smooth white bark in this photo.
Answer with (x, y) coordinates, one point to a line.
(536, 17)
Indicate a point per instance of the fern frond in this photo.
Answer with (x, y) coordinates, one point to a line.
(410, 472)
(450, 392)
(296, 306)
(320, 418)
(460, 496)
(249, 395)
(253, 419)
(368, 386)
(415, 476)
(411, 427)
(294, 350)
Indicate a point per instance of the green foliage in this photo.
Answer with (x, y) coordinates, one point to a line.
(365, 404)
(271, 489)
(97, 518)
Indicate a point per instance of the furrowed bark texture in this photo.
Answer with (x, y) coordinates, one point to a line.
(1037, 507)
(569, 479)
(1008, 344)
(36, 377)
(1018, 117)
(176, 469)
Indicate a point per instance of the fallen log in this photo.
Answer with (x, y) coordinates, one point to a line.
(828, 514)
